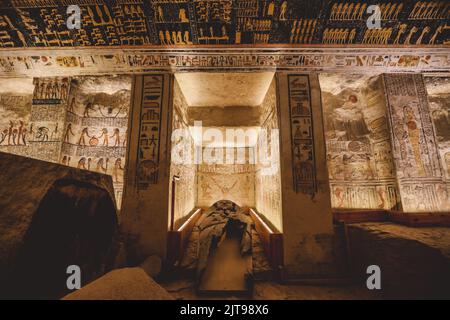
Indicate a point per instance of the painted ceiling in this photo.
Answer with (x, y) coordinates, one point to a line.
(34, 23)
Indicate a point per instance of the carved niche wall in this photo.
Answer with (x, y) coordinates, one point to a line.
(267, 169)
(218, 181)
(95, 134)
(359, 155)
(419, 173)
(182, 158)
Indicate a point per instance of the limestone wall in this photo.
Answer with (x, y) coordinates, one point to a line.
(80, 121)
(221, 181)
(420, 175)
(95, 132)
(33, 112)
(306, 204)
(267, 170)
(146, 200)
(359, 154)
(182, 163)
(438, 89)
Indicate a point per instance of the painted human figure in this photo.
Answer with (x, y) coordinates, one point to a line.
(162, 40)
(117, 169)
(20, 138)
(182, 15)
(348, 121)
(369, 170)
(68, 131)
(88, 108)
(168, 38)
(102, 166)
(339, 194)
(382, 196)
(55, 89)
(82, 163)
(105, 137)
(55, 132)
(186, 38)
(116, 136)
(71, 105)
(84, 134)
(435, 35)
(400, 31)
(36, 88)
(24, 136)
(63, 90)
(41, 90)
(48, 90)
(283, 11)
(14, 134)
(413, 135)
(10, 132)
(410, 34)
(348, 170)
(4, 135)
(160, 14)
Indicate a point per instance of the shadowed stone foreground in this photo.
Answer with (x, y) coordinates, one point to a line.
(414, 262)
(122, 284)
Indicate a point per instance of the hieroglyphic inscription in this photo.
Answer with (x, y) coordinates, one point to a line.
(150, 131)
(302, 135)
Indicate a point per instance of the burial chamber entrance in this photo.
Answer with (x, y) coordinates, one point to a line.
(224, 165)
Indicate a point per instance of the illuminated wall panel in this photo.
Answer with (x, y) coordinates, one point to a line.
(359, 155)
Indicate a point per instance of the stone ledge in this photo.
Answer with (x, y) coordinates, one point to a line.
(122, 284)
(414, 262)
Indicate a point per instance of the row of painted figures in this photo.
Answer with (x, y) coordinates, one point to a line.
(17, 134)
(103, 139)
(101, 166)
(48, 89)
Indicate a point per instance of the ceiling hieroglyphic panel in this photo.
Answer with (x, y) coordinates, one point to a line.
(34, 23)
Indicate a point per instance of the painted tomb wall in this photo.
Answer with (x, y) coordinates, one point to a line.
(16, 95)
(267, 169)
(420, 174)
(359, 155)
(438, 89)
(95, 134)
(80, 121)
(182, 157)
(33, 114)
(219, 181)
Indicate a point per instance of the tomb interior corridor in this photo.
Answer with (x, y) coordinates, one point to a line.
(224, 149)
(275, 176)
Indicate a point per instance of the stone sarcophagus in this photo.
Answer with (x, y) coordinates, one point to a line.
(51, 217)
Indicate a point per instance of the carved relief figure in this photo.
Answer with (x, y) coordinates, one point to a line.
(413, 136)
